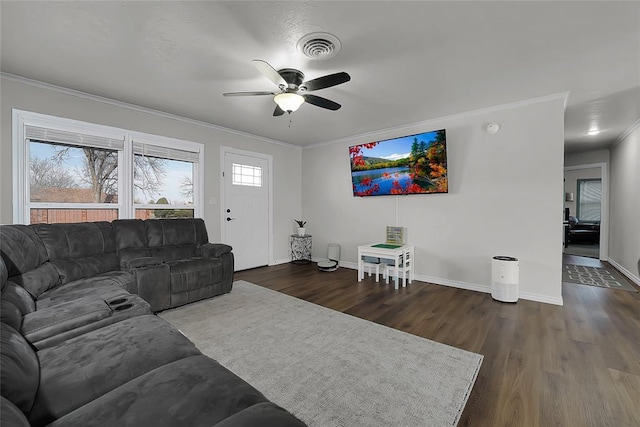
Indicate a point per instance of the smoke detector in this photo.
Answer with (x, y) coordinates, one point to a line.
(319, 46)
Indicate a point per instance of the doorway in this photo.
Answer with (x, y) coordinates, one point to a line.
(586, 203)
(246, 216)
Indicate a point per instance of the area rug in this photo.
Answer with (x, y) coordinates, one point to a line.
(326, 367)
(594, 276)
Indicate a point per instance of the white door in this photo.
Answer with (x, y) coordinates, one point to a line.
(245, 216)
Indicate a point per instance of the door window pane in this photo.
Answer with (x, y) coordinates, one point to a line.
(246, 175)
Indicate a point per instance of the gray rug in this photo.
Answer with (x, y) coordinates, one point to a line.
(327, 367)
(594, 276)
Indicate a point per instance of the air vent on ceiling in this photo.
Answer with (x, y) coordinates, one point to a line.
(319, 45)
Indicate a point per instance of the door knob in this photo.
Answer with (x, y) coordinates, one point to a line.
(230, 219)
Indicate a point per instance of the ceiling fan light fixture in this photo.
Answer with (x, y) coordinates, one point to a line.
(288, 102)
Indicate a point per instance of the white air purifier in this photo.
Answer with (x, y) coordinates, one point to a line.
(505, 278)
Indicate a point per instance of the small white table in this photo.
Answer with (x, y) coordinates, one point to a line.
(382, 250)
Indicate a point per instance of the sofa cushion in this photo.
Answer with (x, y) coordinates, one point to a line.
(10, 415)
(26, 259)
(104, 286)
(21, 249)
(176, 232)
(79, 250)
(19, 297)
(55, 297)
(265, 414)
(10, 314)
(122, 279)
(143, 262)
(173, 253)
(130, 233)
(19, 370)
(51, 326)
(86, 367)
(194, 273)
(73, 269)
(195, 391)
(4, 274)
(131, 239)
(38, 280)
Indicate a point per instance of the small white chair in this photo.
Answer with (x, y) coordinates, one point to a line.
(404, 268)
(374, 264)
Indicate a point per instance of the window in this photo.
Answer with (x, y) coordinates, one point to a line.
(70, 171)
(85, 178)
(246, 175)
(163, 176)
(589, 200)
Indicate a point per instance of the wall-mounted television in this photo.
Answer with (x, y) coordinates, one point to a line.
(412, 164)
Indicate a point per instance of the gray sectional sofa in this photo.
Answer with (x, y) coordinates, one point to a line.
(81, 345)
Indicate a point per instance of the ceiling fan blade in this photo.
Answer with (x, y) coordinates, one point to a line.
(319, 101)
(326, 81)
(269, 72)
(278, 111)
(249, 93)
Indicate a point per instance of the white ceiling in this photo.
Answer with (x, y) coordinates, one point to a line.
(409, 61)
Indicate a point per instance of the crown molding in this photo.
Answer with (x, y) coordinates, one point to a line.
(626, 133)
(564, 96)
(163, 114)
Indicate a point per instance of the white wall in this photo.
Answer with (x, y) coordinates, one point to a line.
(48, 100)
(624, 205)
(505, 198)
(587, 158)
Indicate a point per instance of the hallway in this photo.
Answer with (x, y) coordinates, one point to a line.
(594, 262)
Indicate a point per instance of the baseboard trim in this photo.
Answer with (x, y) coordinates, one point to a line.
(280, 261)
(471, 286)
(542, 298)
(635, 279)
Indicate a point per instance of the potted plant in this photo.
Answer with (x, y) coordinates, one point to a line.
(301, 228)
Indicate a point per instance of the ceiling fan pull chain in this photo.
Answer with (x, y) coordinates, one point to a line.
(290, 120)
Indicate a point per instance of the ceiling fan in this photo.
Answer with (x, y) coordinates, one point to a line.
(293, 88)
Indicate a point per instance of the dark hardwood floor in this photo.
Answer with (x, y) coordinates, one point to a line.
(544, 365)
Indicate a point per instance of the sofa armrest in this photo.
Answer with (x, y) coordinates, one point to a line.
(153, 284)
(141, 262)
(212, 250)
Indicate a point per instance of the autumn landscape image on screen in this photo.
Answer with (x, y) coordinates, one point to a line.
(413, 164)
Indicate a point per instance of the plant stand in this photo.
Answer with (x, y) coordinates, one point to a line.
(300, 249)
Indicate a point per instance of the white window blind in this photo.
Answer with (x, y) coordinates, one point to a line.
(165, 153)
(72, 138)
(589, 200)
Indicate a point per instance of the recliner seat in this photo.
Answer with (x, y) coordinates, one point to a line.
(173, 261)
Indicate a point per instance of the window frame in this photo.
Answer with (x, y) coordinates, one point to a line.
(22, 203)
(177, 144)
